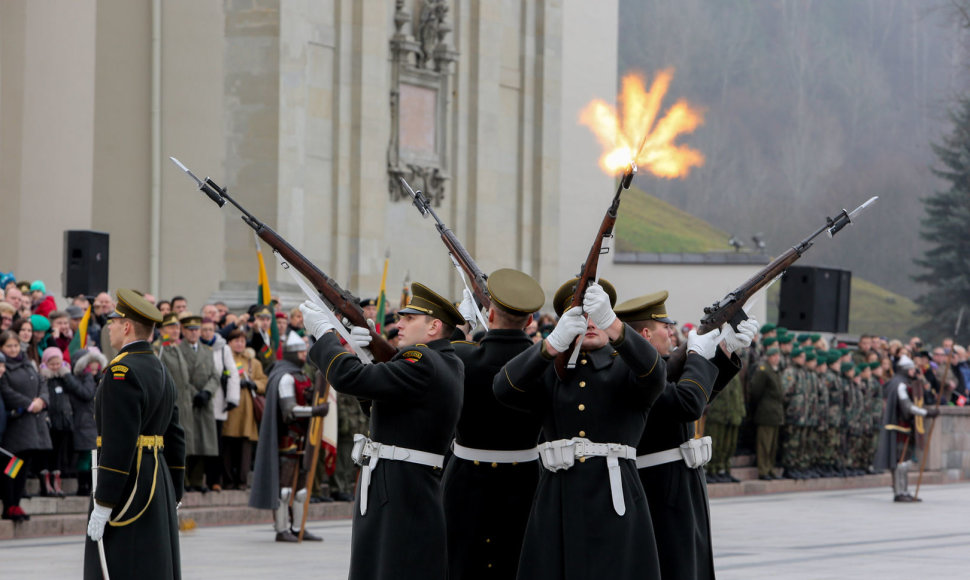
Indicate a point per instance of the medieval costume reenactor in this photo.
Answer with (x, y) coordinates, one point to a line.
(279, 478)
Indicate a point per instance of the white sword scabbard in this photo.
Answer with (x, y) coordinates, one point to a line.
(94, 488)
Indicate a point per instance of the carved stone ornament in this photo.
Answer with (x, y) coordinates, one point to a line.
(420, 75)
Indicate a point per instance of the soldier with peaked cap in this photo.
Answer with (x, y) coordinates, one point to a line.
(399, 522)
(195, 402)
(282, 441)
(669, 458)
(489, 484)
(590, 518)
(142, 454)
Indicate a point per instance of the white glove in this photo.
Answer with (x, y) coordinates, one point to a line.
(736, 340)
(360, 337)
(596, 303)
(99, 518)
(570, 325)
(315, 320)
(467, 308)
(703, 344)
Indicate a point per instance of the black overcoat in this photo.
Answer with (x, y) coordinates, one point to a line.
(487, 506)
(416, 401)
(20, 385)
(677, 494)
(136, 396)
(573, 530)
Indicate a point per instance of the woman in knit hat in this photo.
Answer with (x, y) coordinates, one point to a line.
(60, 417)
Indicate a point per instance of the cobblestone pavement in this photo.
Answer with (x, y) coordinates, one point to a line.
(813, 535)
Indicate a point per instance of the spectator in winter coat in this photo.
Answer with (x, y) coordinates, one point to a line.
(25, 396)
(88, 366)
(3, 408)
(42, 303)
(60, 417)
(61, 333)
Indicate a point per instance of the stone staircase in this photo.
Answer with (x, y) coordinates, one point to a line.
(743, 468)
(57, 516)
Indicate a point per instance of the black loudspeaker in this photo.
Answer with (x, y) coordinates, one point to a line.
(815, 299)
(85, 263)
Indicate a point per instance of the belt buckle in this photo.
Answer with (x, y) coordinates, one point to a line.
(357, 454)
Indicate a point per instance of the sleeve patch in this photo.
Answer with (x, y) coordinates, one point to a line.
(412, 355)
(119, 371)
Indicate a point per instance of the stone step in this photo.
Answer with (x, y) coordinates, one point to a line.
(757, 486)
(743, 460)
(66, 524)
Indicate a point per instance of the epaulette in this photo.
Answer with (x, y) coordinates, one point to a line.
(118, 358)
(465, 342)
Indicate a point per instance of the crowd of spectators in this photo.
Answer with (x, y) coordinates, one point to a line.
(48, 377)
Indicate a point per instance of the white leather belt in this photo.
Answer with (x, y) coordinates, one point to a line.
(562, 454)
(694, 452)
(495, 455)
(366, 453)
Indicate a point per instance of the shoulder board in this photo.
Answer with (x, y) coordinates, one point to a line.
(761, 367)
(412, 355)
(421, 344)
(464, 342)
(118, 358)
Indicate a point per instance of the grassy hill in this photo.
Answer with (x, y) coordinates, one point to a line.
(647, 224)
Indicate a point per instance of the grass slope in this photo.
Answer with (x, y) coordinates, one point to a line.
(647, 224)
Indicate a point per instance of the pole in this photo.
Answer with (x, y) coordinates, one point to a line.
(929, 436)
(94, 487)
(315, 435)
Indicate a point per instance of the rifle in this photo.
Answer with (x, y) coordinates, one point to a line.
(587, 272)
(342, 301)
(730, 309)
(459, 255)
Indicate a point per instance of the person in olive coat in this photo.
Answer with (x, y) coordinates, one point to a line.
(196, 403)
(677, 490)
(142, 455)
(590, 518)
(399, 523)
(26, 398)
(767, 399)
(489, 483)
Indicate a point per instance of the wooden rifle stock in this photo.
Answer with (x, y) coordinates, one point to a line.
(342, 301)
(730, 309)
(588, 271)
(459, 254)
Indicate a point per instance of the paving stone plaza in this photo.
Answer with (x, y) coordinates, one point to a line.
(857, 533)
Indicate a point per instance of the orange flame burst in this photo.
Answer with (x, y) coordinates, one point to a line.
(622, 140)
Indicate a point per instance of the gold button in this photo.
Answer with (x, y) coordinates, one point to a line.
(494, 464)
(514, 463)
(488, 540)
(582, 384)
(582, 362)
(582, 433)
(582, 407)
(489, 565)
(475, 462)
(582, 459)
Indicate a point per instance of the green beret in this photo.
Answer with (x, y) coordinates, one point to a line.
(515, 292)
(785, 338)
(833, 356)
(648, 307)
(796, 352)
(860, 368)
(565, 294)
(132, 305)
(772, 350)
(816, 337)
(781, 330)
(769, 341)
(809, 355)
(847, 366)
(39, 323)
(767, 327)
(803, 337)
(874, 364)
(426, 301)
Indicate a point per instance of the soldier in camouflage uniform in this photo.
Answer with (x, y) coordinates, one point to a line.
(832, 444)
(820, 415)
(809, 451)
(724, 418)
(874, 410)
(795, 388)
(853, 417)
(786, 343)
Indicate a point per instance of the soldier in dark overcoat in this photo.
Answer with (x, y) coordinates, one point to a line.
(590, 517)
(669, 458)
(399, 524)
(490, 481)
(140, 466)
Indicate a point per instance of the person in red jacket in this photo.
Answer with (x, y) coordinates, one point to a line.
(42, 303)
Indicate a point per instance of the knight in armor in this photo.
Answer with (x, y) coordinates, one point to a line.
(902, 420)
(279, 477)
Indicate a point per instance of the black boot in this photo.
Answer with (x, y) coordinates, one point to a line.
(46, 489)
(83, 483)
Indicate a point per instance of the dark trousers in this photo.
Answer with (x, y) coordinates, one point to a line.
(13, 489)
(60, 457)
(767, 448)
(237, 459)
